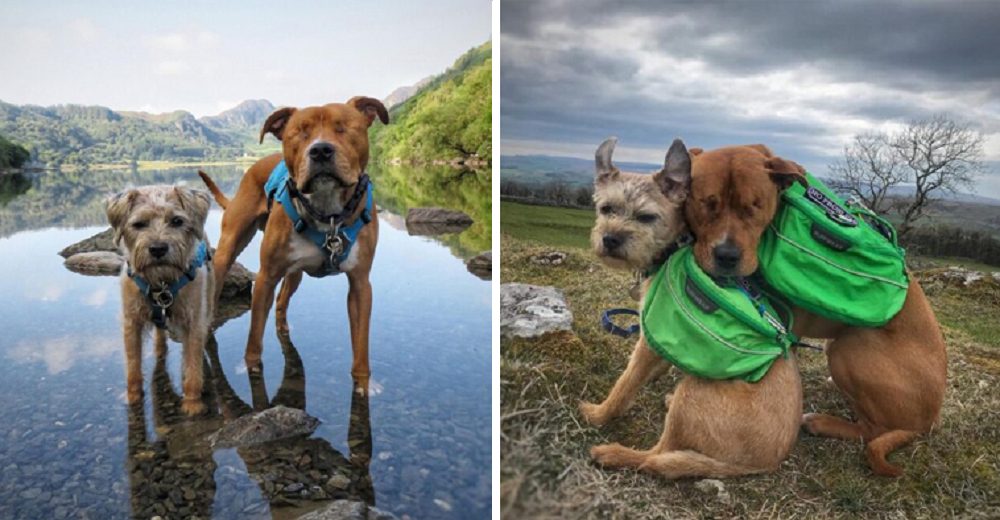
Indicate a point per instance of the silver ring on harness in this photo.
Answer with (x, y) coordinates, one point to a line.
(162, 297)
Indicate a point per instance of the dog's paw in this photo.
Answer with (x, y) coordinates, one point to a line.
(593, 414)
(134, 393)
(607, 455)
(193, 407)
(809, 421)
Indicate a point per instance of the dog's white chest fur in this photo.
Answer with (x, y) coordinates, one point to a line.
(304, 255)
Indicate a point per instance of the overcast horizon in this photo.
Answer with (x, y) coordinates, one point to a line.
(801, 77)
(207, 58)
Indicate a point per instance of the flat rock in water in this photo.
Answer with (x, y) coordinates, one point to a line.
(95, 263)
(528, 311)
(348, 510)
(481, 265)
(272, 424)
(435, 221)
(103, 241)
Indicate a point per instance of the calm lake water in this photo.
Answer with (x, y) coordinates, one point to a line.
(70, 447)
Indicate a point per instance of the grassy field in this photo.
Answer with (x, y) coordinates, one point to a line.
(555, 226)
(546, 471)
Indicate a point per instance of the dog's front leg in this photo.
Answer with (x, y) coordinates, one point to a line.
(643, 366)
(260, 307)
(193, 377)
(133, 360)
(359, 310)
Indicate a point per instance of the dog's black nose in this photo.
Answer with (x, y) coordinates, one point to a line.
(727, 255)
(158, 250)
(321, 151)
(611, 242)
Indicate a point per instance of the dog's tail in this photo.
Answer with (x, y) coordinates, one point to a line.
(885, 444)
(688, 463)
(216, 192)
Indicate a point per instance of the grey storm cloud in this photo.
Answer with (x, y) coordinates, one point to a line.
(575, 71)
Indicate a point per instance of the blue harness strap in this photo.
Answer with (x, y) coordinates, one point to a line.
(335, 244)
(161, 298)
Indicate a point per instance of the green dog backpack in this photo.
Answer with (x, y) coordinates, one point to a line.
(708, 330)
(837, 260)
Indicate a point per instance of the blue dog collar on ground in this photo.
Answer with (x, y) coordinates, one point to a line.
(610, 326)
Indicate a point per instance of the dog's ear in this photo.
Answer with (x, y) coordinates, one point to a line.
(275, 124)
(370, 107)
(784, 172)
(762, 149)
(605, 169)
(117, 207)
(674, 179)
(196, 202)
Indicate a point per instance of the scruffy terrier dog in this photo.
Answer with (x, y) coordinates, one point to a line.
(167, 281)
(713, 428)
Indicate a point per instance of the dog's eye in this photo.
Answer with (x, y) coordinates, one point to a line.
(646, 218)
(711, 203)
(176, 222)
(139, 224)
(339, 129)
(606, 209)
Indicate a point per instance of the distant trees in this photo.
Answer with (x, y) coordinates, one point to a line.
(549, 194)
(12, 155)
(946, 241)
(936, 155)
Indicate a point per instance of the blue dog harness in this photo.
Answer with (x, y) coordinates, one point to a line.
(161, 298)
(336, 243)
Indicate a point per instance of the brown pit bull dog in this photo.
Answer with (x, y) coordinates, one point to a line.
(325, 151)
(893, 376)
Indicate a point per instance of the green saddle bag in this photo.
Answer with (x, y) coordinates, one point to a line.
(837, 260)
(708, 330)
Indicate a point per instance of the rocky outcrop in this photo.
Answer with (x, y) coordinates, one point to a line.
(549, 258)
(481, 265)
(955, 275)
(528, 311)
(103, 241)
(348, 510)
(436, 221)
(95, 263)
(272, 424)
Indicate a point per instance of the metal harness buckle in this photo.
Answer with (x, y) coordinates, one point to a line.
(162, 296)
(334, 242)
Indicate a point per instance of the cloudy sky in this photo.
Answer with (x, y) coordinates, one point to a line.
(800, 76)
(205, 57)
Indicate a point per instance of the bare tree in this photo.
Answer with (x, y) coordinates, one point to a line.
(936, 155)
(869, 170)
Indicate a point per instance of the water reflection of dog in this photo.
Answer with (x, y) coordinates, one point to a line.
(293, 470)
(172, 476)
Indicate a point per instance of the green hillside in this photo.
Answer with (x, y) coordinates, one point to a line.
(449, 118)
(81, 135)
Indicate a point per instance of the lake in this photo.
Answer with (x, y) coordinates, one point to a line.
(418, 447)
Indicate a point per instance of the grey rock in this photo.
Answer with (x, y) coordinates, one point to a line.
(103, 241)
(714, 487)
(348, 510)
(481, 265)
(528, 311)
(95, 263)
(549, 258)
(339, 481)
(436, 221)
(272, 424)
